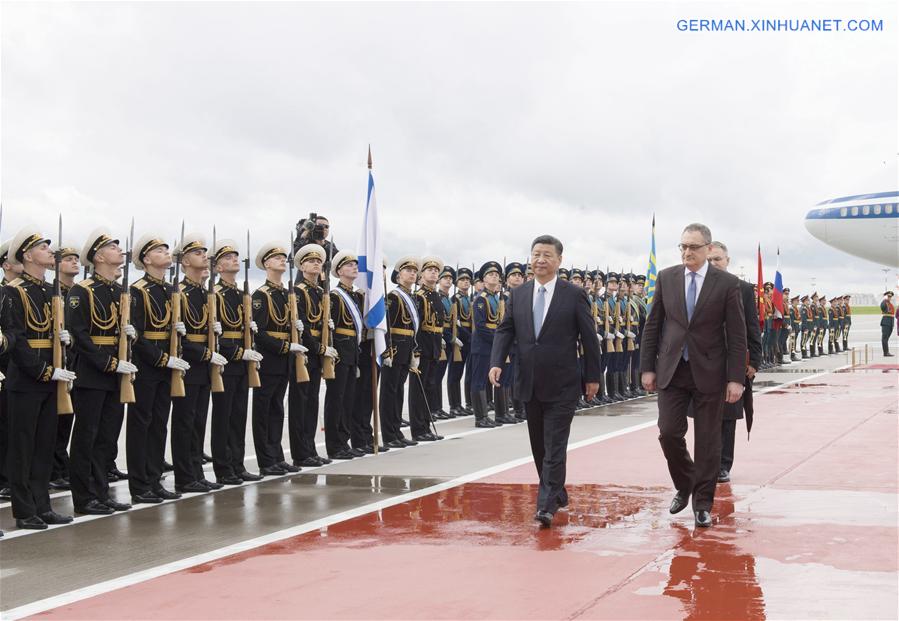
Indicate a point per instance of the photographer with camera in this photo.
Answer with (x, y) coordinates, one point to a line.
(314, 230)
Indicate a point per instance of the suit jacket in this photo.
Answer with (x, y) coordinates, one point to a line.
(716, 335)
(547, 363)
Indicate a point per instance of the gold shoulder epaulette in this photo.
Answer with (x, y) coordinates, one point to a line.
(483, 294)
(218, 288)
(140, 284)
(87, 282)
(302, 286)
(264, 288)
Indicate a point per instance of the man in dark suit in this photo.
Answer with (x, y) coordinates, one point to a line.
(694, 349)
(545, 317)
(733, 412)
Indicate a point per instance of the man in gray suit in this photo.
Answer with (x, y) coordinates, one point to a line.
(694, 349)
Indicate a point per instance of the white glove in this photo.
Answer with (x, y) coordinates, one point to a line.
(610, 336)
(416, 360)
(62, 375)
(253, 327)
(331, 323)
(3, 377)
(298, 324)
(330, 352)
(458, 323)
(129, 331)
(180, 328)
(217, 359)
(358, 373)
(387, 362)
(177, 363)
(618, 335)
(296, 347)
(124, 367)
(217, 328)
(630, 335)
(65, 337)
(250, 354)
(599, 338)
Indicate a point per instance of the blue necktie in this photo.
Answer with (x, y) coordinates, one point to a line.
(538, 310)
(691, 306)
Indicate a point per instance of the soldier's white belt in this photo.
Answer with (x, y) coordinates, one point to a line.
(40, 343)
(105, 340)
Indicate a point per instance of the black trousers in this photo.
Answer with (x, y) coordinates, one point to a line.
(361, 432)
(4, 435)
(302, 415)
(435, 386)
(60, 468)
(189, 415)
(229, 423)
(886, 331)
(728, 435)
(698, 477)
(455, 372)
(549, 425)
(340, 394)
(390, 401)
(419, 400)
(95, 436)
(146, 432)
(32, 435)
(268, 419)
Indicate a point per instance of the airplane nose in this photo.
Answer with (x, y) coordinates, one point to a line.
(816, 226)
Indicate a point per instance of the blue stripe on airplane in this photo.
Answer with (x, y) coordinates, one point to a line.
(833, 213)
(861, 197)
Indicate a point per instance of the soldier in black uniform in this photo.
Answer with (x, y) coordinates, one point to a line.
(11, 270)
(435, 395)
(887, 320)
(402, 323)
(229, 408)
(428, 349)
(271, 313)
(457, 369)
(69, 268)
(31, 381)
(189, 413)
(303, 398)
(340, 392)
(512, 411)
(148, 416)
(92, 315)
(486, 316)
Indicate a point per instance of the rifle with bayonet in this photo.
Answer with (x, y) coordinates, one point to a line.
(619, 343)
(302, 373)
(212, 339)
(253, 380)
(454, 318)
(328, 371)
(126, 382)
(63, 399)
(175, 338)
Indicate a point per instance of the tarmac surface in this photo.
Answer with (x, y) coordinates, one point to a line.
(806, 529)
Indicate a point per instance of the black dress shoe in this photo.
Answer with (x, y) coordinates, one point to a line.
(230, 480)
(545, 518)
(484, 423)
(397, 444)
(272, 471)
(194, 487)
(145, 498)
(210, 485)
(425, 437)
(310, 462)
(679, 503)
(439, 416)
(94, 507)
(116, 506)
(166, 494)
(456, 412)
(342, 455)
(703, 519)
(322, 461)
(167, 467)
(31, 523)
(507, 420)
(60, 484)
(52, 517)
(249, 476)
(358, 452)
(469, 411)
(408, 442)
(404, 422)
(283, 465)
(121, 476)
(5, 493)
(368, 450)
(723, 476)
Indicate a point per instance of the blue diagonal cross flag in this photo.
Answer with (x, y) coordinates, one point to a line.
(371, 271)
(652, 270)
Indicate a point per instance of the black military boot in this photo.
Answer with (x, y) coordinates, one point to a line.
(480, 410)
(637, 384)
(455, 399)
(501, 413)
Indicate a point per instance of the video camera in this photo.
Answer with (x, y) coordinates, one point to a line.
(309, 230)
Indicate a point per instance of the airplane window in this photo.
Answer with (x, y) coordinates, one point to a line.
(855, 211)
(843, 212)
(889, 209)
(876, 210)
(866, 210)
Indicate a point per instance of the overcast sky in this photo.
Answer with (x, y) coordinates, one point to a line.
(489, 125)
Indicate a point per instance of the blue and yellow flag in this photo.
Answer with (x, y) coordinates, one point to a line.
(652, 270)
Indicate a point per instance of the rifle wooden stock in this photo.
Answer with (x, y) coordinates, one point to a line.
(253, 380)
(454, 317)
(327, 361)
(302, 374)
(618, 343)
(606, 345)
(126, 381)
(630, 340)
(215, 371)
(175, 343)
(63, 399)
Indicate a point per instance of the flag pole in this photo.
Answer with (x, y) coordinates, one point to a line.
(376, 419)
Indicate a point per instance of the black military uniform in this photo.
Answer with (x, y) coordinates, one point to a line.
(435, 390)
(92, 316)
(428, 349)
(5, 492)
(402, 321)
(59, 475)
(457, 368)
(303, 398)
(346, 313)
(887, 321)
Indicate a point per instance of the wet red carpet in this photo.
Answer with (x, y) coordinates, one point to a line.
(806, 530)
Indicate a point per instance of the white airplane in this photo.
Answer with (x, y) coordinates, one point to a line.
(864, 225)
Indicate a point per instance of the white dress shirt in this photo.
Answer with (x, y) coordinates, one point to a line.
(700, 278)
(548, 296)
